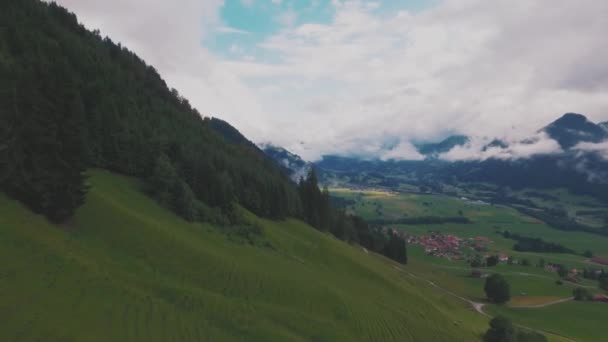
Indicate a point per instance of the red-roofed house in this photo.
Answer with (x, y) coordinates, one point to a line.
(600, 298)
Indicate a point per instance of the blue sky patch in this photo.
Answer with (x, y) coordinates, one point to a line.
(247, 23)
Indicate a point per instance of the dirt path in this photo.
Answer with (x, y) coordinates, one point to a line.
(543, 305)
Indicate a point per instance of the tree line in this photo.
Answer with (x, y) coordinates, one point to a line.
(319, 212)
(529, 244)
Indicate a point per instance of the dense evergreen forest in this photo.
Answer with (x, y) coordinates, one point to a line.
(71, 100)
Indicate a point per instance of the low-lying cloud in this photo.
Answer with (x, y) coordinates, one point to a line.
(480, 149)
(600, 148)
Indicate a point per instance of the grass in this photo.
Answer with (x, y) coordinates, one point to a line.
(564, 319)
(126, 269)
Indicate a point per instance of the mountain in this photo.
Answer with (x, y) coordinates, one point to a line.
(291, 163)
(73, 100)
(572, 129)
(604, 125)
(230, 133)
(496, 143)
(434, 149)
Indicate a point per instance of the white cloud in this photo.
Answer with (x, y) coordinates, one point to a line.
(403, 151)
(227, 29)
(600, 148)
(480, 149)
(288, 18)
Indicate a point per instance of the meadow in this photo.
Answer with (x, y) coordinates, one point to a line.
(563, 319)
(125, 269)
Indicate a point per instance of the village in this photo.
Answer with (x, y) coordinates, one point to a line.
(450, 246)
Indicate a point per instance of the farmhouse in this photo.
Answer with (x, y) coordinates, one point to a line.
(600, 260)
(601, 298)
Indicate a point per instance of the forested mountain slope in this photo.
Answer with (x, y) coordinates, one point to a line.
(70, 99)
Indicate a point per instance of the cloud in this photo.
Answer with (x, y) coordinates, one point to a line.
(600, 148)
(226, 29)
(482, 149)
(469, 67)
(288, 18)
(403, 151)
(500, 68)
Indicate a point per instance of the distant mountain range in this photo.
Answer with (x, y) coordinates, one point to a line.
(567, 153)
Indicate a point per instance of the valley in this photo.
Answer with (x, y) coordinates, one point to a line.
(535, 293)
(410, 182)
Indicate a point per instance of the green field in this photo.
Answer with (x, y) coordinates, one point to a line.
(486, 220)
(530, 285)
(125, 269)
(564, 319)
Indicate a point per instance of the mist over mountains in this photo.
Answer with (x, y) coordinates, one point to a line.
(570, 152)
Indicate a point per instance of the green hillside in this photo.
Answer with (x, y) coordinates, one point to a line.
(126, 269)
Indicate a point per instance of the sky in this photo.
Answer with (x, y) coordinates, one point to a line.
(369, 78)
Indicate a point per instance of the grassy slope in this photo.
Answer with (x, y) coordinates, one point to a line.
(126, 269)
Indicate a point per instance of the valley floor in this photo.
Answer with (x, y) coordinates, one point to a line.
(538, 302)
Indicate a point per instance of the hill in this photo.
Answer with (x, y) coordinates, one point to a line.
(125, 268)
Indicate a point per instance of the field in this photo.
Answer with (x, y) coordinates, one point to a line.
(530, 285)
(563, 319)
(125, 269)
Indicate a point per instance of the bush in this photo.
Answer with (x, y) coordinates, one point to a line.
(497, 289)
(581, 294)
(603, 279)
(501, 330)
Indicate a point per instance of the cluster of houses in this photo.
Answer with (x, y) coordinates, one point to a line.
(600, 260)
(448, 246)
